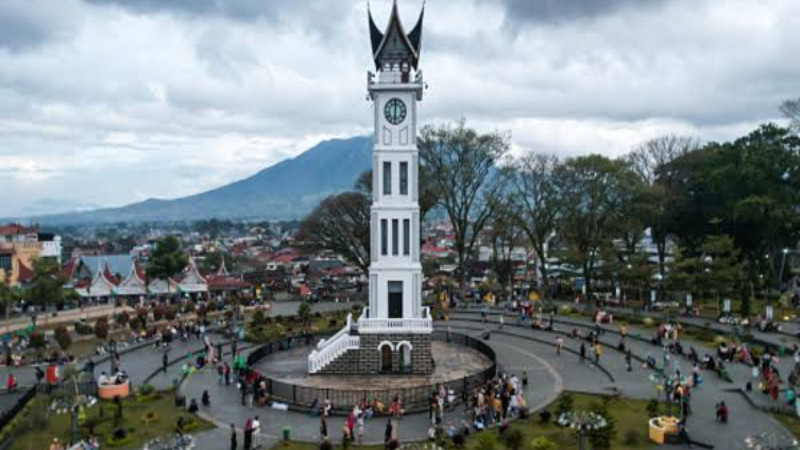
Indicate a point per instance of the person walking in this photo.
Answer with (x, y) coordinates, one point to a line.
(559, 345)
(387, 434)
(598, 352)
(628, 357)
(234, 443)
(164, 362)
(583, 353)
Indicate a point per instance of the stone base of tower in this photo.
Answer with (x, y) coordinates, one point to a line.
(372, 356)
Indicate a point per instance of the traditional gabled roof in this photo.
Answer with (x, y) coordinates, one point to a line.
(133, 284)
(192, 280)
(68, 270)
(412, 41)
(102, 284)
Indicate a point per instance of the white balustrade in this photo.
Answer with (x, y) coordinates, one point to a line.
(413, 326)
(329, 349)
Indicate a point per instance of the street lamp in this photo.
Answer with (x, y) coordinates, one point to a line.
(583, 422)
(783, 263)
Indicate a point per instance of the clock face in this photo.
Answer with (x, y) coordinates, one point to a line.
(395, 111)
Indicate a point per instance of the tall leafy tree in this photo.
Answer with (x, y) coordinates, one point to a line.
(46, 287)
(721, 271)
(594, 190)
(462, 166)
(167, 259)
(791, 109)
(537, 203)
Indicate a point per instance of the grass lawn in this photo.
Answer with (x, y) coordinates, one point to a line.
(278, 327)
(792, 423)
(36, 427)
(630, 417)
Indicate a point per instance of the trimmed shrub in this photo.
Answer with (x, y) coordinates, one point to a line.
(565, 403)
(62, 337)
(122, 318)
(37, 340)
(512, 438)
(258, 317)
(631, 438)
(542, 443)
(652, 408)
(159, 311)
(101, 328)
(171, 312)
(83, 328)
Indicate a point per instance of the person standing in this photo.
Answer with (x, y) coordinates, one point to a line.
(256, 432)
(234, 443)
(388, 432)
(164, 362)
(628, 357)
(248, 434)
(583, 353)
(559, 345)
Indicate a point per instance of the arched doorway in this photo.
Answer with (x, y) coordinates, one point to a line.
(404, 357)
(386, 357)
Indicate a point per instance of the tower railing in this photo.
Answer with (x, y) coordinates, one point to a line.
(421, 325)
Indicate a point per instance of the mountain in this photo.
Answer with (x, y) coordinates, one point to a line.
(288, 190)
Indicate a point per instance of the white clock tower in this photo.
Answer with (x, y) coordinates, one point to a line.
(393, 333)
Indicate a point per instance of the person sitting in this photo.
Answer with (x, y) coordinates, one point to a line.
(650, 361)
(722, 412)
(193, 408)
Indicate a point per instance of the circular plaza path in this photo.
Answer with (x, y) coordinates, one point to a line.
(518, 348)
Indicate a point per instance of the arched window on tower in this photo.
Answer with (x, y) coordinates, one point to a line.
(404, 355)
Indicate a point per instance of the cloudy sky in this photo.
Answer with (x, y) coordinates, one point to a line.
(106, 102)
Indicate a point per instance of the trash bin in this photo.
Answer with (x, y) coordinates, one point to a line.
(287, 433)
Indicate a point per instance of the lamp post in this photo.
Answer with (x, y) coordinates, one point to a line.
(582, 422)
(783, 264)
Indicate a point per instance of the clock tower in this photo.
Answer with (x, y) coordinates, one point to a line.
(393, 334)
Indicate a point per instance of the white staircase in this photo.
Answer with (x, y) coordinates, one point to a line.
(329, 349)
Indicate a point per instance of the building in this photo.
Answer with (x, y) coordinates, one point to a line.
(393, 334)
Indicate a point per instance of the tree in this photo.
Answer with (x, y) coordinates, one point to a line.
(167, 259)
(537, 203)
(504, 234)
(462, 166)
(341, 223)
(722, 271)
(748, 189)
(594, 190)
(791, 109)
(47, 285)
(304, 313)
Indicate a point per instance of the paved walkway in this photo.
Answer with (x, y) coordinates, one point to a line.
(744, 420)
(518, 348)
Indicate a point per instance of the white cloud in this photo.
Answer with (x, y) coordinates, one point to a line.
(108, 103)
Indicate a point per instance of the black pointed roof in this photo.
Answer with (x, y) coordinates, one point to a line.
(413, 40)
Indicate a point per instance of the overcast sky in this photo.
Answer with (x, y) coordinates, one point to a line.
(107, 102)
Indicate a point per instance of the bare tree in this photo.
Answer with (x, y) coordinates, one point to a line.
(650, 157)
(791, 109)
(537, 203)
(648, 160)
(462, 166)
(341, 224)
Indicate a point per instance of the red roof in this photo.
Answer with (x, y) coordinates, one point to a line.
(15, 228)
(68, 270)
(25, 273)
(226, 282)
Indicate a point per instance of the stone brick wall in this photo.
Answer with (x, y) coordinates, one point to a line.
(367, 359)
